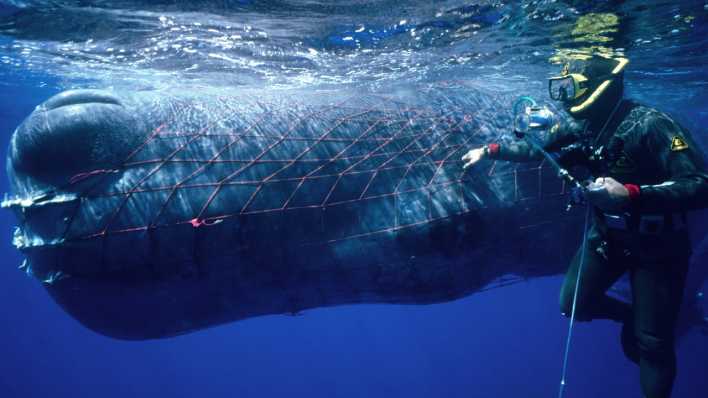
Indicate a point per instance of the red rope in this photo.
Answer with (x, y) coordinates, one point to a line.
(394, 140)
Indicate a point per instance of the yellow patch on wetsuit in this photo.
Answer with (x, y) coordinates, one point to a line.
(678, 144)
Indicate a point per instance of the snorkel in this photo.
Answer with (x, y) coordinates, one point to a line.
(529, 116)
(533, 123)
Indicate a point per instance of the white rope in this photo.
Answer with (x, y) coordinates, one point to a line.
(583, 249)
(561, 388)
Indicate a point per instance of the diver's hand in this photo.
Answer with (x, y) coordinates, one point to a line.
(474, 156)
(608, 194)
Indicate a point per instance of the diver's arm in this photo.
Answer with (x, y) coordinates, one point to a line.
(521, 151)
(516, 152)
(678, 158)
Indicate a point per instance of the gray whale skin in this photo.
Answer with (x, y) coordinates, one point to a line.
(152, 214)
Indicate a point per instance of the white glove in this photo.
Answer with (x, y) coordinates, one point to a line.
(608, 194)
(474, 156)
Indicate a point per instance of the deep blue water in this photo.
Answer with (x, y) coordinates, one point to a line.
(505, 342)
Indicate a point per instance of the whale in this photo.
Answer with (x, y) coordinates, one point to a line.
(150, 214)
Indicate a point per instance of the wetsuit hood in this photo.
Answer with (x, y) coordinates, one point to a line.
(597, 82)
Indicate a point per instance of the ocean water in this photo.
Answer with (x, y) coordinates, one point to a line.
(505, 342)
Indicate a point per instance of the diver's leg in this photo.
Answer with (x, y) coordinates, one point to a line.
(598, 275)
(657, 289)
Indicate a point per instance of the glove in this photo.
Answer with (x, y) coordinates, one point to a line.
(608, 194)
(474, 156)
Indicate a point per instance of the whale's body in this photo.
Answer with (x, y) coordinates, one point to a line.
(150, 215)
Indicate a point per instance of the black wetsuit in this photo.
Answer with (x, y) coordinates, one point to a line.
(647, 149)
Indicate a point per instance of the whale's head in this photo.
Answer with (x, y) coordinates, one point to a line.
(67, 135)
(70, 146)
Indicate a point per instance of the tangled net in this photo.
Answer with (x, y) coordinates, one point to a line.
(370, 168)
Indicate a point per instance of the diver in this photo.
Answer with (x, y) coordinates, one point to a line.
(649, 175)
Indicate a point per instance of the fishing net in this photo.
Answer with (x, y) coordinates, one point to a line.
(306, 173)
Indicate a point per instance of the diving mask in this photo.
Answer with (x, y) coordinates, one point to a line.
(567, 88)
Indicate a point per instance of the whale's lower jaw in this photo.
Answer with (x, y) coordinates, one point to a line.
(163, 296)
(132, 306)
(136, 309)
(160, 299)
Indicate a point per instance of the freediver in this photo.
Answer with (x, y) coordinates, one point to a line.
(650, 173)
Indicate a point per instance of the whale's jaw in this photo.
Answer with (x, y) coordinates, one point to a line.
(71, 135)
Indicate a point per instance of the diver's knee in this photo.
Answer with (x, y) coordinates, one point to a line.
(629, 341)
(653, 346)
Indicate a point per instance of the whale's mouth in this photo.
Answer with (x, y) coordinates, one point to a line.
(72, 136)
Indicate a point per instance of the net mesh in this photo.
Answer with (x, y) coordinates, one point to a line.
(368, 169)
